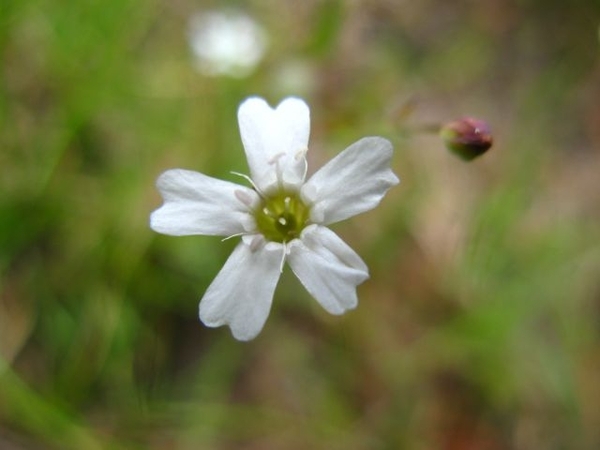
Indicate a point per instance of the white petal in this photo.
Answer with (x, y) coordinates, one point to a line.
(197, 204)
(353, 182)
(275, 140)
(241, 294)
(327, 267)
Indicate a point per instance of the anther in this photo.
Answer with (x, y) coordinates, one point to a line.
(300, 154)
(255, 244)
(275, 159)
(243, 197)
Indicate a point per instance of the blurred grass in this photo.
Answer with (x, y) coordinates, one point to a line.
(479, 326)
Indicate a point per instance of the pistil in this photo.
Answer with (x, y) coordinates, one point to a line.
(281, 217)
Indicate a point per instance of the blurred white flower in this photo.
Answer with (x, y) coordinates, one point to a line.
(283, 218)
(226, 43)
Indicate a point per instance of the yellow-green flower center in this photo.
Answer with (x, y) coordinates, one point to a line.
(282, 216)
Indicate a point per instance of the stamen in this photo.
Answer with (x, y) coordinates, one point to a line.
(283, 255)
(301, 155)
(249, 180)
(281, 217)
(233, 235)
(305, 171)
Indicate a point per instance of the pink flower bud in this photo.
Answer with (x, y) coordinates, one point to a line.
(468, 137)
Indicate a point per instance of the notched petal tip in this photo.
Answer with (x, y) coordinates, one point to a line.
(251, 105)
(290, 108)
(164, 180)
(386, 150)
(328, 268)
(155, 220)
(195, 203)
(273, 139)
(240, 333)
(293, 106)
(241, 294)
(174, 177)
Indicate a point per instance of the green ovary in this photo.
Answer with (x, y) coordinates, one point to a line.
(282, 216)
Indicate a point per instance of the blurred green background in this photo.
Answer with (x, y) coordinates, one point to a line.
(480, 325)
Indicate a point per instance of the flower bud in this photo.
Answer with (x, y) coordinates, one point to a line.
(468, 137)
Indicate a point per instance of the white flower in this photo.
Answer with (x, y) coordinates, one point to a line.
(283, 218)
(226, 43)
